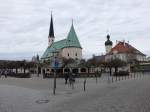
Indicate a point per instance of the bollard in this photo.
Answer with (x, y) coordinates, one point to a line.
(54, 88)
(84, 84)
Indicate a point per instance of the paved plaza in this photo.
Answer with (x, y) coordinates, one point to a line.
(36, 95)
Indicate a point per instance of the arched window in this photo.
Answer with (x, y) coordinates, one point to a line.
(75, 70)
(76, 54)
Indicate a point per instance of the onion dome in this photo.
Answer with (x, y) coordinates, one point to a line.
(108, 42)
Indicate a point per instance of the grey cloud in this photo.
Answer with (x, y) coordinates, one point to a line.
(24, 24)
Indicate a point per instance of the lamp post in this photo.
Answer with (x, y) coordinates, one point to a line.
(55, 66)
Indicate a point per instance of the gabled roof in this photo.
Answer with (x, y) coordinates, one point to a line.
(123, 47)
(71, 41)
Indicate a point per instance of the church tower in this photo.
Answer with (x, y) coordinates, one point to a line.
(108, 44)
(51, 36)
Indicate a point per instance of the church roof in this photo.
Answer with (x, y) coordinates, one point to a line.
(51, 29)
(71, 41)
(123, 47)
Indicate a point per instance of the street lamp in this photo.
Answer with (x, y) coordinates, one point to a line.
(55, 65)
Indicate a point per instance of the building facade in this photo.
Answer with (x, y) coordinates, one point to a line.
(124, 51)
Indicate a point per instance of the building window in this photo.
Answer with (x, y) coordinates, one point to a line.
(76, 54)
(68, 54)
(47, 69)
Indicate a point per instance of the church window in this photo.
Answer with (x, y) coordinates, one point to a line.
(76, 54)
(68, 54)
(47, 69)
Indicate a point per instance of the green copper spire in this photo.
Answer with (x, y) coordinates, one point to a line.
(72, 39)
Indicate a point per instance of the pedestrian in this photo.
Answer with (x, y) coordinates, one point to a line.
(5, 73)
(66, 77)
(71, 78)
(2, 72)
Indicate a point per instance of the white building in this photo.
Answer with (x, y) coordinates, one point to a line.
(123, 51)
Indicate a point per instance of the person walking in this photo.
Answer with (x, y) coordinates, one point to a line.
(5, 73)
(66, 77)
(71, 80)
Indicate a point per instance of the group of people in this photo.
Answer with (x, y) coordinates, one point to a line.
(4, 72)
(69, 77)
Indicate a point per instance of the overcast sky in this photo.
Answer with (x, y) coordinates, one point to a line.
(24, 24)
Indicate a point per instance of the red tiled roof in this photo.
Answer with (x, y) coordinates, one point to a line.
(123, 47)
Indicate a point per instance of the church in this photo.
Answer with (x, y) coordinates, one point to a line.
(69, 47)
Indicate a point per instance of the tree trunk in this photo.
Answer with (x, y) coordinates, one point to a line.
(24, 69)
(16, 70)
(116, 69)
